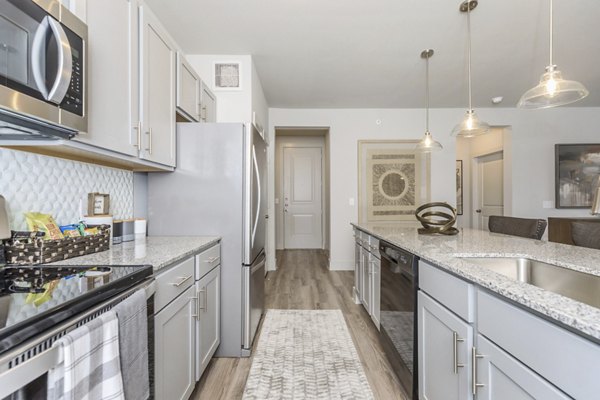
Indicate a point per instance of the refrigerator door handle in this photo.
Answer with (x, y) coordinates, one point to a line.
(257, 173)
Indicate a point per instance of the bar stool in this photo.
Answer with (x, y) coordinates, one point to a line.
(523, 227)
(586, 234)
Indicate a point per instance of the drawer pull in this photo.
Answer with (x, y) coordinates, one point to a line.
(182, 280)
(474, 357)
(456, 339)
(211, 260)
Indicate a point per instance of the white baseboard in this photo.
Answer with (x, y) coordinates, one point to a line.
(341, 265)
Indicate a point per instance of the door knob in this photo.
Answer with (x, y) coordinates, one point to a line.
(478, 211)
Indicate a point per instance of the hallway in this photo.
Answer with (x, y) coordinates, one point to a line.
(302, 281)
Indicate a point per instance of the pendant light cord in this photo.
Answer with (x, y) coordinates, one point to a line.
(551, 33)
(469, 50)
(427, 94)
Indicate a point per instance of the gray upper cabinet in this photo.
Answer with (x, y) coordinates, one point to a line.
(158, 81)
(113, 110)
(188, 90)
(208, 104)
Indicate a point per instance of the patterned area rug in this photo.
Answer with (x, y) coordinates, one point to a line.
(306, 354)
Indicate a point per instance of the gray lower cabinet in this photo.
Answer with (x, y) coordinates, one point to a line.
(367, 274)
(366, 281)
(209, 318)
(375, 284)
(445, 343)
(504, 377)
(174, 336)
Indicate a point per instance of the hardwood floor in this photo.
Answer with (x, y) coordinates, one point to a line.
(302, 281)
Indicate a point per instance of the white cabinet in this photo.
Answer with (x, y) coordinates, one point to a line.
(445, 344)
(112, 62)
(188, 90)
(503, 377)
(209, 318)
(157, 91)
(375, 284)
(208, 104)
(513, 354)
(367, 274)
(366, 280)
(174, 336)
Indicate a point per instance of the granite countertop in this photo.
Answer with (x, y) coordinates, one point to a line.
(445, 252)
(158, 251)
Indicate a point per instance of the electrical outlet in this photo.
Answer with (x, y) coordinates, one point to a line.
(276, 200)
(351, 201)
(547, 204)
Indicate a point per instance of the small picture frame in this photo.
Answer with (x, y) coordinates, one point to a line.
(98, 204)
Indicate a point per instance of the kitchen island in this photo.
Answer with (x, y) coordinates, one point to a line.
(485, 334)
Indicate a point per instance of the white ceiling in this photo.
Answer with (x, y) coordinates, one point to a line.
(366, 53)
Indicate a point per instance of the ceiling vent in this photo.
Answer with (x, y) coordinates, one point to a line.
(227, 76)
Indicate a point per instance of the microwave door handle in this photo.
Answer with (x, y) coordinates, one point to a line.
(65, 63)
(38, 53)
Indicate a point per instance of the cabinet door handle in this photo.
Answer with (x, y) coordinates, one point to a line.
(455, 341)
(149, 133)
(203, 114)
(211, 260)
(182, 279)
(474, 357)
(138, 128)
(197, 311)
(203, 307)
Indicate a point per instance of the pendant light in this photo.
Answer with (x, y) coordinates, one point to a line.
(471, 125)
(427, 144)
(553, 90)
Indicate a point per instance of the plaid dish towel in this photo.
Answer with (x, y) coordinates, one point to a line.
(91, 368)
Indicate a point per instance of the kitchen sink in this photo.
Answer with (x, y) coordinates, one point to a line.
(566, 282)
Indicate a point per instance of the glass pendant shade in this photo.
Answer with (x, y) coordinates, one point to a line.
(471, 126)
(428, 145)
(553, 91)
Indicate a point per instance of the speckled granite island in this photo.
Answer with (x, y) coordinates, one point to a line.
(445, 252)
(158, 251)
(479, 333)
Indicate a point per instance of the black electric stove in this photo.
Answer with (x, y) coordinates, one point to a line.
(33, 299)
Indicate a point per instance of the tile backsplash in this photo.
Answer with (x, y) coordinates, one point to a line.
(32, 182)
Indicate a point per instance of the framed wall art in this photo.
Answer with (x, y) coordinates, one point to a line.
(459, 187)
(393, 180)
(577, 170)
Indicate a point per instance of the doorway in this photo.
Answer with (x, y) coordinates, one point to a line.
(302, 200)
(488, 188)
(301, 188)
(486, 177)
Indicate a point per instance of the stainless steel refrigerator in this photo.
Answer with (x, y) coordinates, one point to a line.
(219, 188)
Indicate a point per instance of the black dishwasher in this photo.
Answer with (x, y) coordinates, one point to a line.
(398, 322)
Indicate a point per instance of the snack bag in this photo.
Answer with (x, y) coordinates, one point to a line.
(43, 222)
(70, 230)
(90, 231)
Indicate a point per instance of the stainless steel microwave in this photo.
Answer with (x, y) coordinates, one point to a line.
(42, 70)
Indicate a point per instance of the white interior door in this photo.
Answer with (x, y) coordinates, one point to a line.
(302, 204)
(489, 189)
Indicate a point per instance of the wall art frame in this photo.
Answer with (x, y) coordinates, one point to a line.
(577, 174)
(393, 180)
